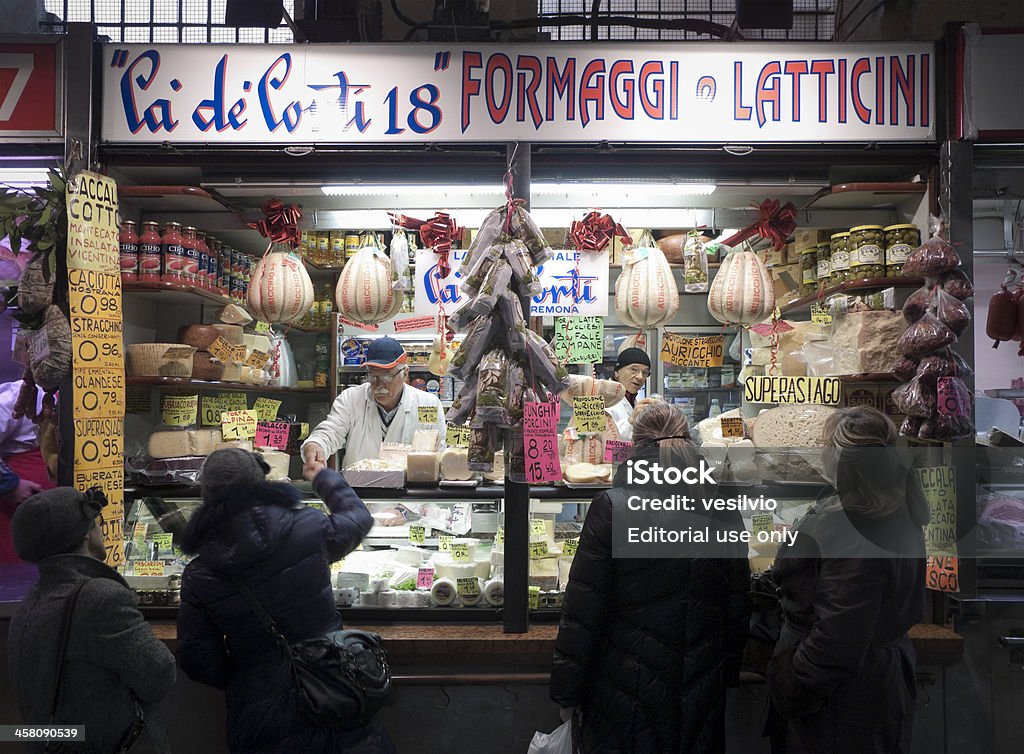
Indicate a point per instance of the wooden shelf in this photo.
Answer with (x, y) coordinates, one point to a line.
(864, 284)
(214, 385)
(168, 292)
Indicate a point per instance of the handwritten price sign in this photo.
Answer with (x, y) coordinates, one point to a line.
(457, 437)
(460, 552)
(271, 434)
(693, 352)
(579, 340)
(417, 534)
(444, 543)
(427, 414)
(238, 425)
(732, 426)
(538, 549)
(266, 409)
(617, 451)
(540, 441)
(424, 578)
(570, 546)
(588, 414)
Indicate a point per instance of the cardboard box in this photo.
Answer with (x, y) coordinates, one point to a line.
(787, 281)
(773, 257)
(806, 238)
(617, 246)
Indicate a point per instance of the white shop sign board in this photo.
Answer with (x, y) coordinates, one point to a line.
(393, 93)
(559, 296)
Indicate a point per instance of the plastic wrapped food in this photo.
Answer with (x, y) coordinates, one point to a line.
(915, 399)
(926, 335)
(482, 446)
(951, 312)
(963, 369)
(486, 236)
(475, 271)
(518, 257)
(911, 426)
(465, 402)
(542, 366)
(945, 428)
(478, 339)
(525, 228)
(399, 252)
(514, 402)
(937, 365)
(917, 304)
(933, 257)
(905, 369)
(956, 283)
(493, 389)
(511, 313)
(495, 283)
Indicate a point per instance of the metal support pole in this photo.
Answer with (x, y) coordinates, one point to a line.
(516, 615)
(78, 132)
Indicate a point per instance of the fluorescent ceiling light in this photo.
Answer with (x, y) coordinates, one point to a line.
(384, 189)
(24, 178)
(375, 219)
(611, 190)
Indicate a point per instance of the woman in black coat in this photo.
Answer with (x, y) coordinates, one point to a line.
(852, 583)
(260, 533)
(647, 646)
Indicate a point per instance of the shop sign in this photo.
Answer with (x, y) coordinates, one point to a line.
(30, 88)
(693, 352)
(826, 391)
(579, 340)
(699, 92)
(573, 282)
(97, 356)
(433, 291)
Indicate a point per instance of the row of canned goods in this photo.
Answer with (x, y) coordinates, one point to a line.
(183, 255)
(863, 252)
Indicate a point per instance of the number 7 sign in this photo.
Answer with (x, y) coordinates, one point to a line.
(30, 103)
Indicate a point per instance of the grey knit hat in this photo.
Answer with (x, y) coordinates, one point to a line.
(54, 522)
(230, 466)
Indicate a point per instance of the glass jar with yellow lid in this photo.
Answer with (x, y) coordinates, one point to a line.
(867, 255)
(900, 241)
(840, 257)
(809, 271)
(823, 263)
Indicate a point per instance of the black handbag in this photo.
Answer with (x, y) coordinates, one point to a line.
(60, 747)
(342, 678)
(765, 612)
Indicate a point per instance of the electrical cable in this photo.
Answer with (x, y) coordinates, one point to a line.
(401, 16)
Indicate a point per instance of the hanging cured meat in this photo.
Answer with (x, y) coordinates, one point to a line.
(280, 290)
(742, 292)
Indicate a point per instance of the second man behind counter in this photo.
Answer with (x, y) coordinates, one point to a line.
(383, 409)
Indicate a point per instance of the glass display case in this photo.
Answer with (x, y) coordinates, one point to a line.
(697, 390)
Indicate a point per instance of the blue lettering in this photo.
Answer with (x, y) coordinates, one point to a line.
(215, 106)
(156, 116)
(292, 114)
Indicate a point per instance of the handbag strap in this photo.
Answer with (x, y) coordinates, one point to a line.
(257, 607)
(62, 642)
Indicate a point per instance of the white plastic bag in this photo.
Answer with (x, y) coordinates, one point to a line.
(558, 741)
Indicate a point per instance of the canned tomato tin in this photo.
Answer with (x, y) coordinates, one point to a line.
(128, 244)
(236, 263)
(235, 286)
(174, 259)
(150, 252)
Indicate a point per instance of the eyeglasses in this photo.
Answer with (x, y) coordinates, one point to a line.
(383, 377)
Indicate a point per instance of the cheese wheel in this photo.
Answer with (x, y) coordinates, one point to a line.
(205, 367)
(200, 337)
(231, 333)
(455, 465)
(442, 592)
(190, 442)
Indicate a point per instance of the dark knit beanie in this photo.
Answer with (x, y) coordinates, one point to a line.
(54, 522)
(232, 466)
(632, 356)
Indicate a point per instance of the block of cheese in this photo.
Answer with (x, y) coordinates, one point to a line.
(189, 442)
(455, 465)
(866, 341)
(421, 467)
(789, 441)
(256, 342)
(206, 367)
(583, 473)
(278, 463)
(233, 314)
(243, 444)
(231, 333)
(232, 373)
(425, 439)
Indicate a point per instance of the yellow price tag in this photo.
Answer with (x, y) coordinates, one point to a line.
(538, 549)
(499, 536)
(257, 359)
(821, 314)
(534, 597)
(238, 425)
(444, 543)
(263, 328)
(149, 567)
(164, 541)
(588, 414)
(732, 426)
(570, 546)
(457, 437)
(222, 350)
(417, 534)
(467, 586)
(762, 522)
(427, 414)
(178, 410)
(266, 409)
(537, 526)
(460, 552)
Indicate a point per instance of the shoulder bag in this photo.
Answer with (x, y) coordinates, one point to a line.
(342, 678)
(59, 747)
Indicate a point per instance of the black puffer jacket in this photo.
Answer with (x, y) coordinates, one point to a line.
(262, 534)
(646, 648)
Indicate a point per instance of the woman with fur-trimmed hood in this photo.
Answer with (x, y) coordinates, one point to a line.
(260, 533)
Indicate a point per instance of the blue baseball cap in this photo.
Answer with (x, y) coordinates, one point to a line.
(385, 353)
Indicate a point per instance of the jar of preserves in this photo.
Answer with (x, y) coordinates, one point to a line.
(304, 239)
(867, 257)
(323, 249)
(337, 258)
(150, 252)
(351, 244)
(128, 244)
(823, 263)
(900, 241)
(174, 258)
(203, 277)
(808, 271)
(190, 273)
(840, 257)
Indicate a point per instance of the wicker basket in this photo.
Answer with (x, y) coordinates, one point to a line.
(160, 360)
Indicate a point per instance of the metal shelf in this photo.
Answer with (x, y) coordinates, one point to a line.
(215, 385)
(168, 292)
(804, 303)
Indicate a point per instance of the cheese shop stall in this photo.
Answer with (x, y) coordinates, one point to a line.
(737, 240)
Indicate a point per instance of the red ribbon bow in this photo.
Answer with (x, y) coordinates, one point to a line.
(595, 231)
(776, 223)
(279, 223)
(437, 234)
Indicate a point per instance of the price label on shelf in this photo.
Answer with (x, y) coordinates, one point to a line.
(271, 434)
(732, 426)
(534, 597)
(257, 359)
(222, 350)
(821, 314)
(164, 541)
(467, 586)
(460, 552)
(238, 425)
(570, 546)
(538, 549)
(762, 522)
(417, 534)
(266, 409)
(238, 357)
(617, 451)
(427, 414)
(424, 578)
(263, 328)
(149, 567)
(588, 414)
(444, 543)
(538, 527)
(456, 436)
(178, 410)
